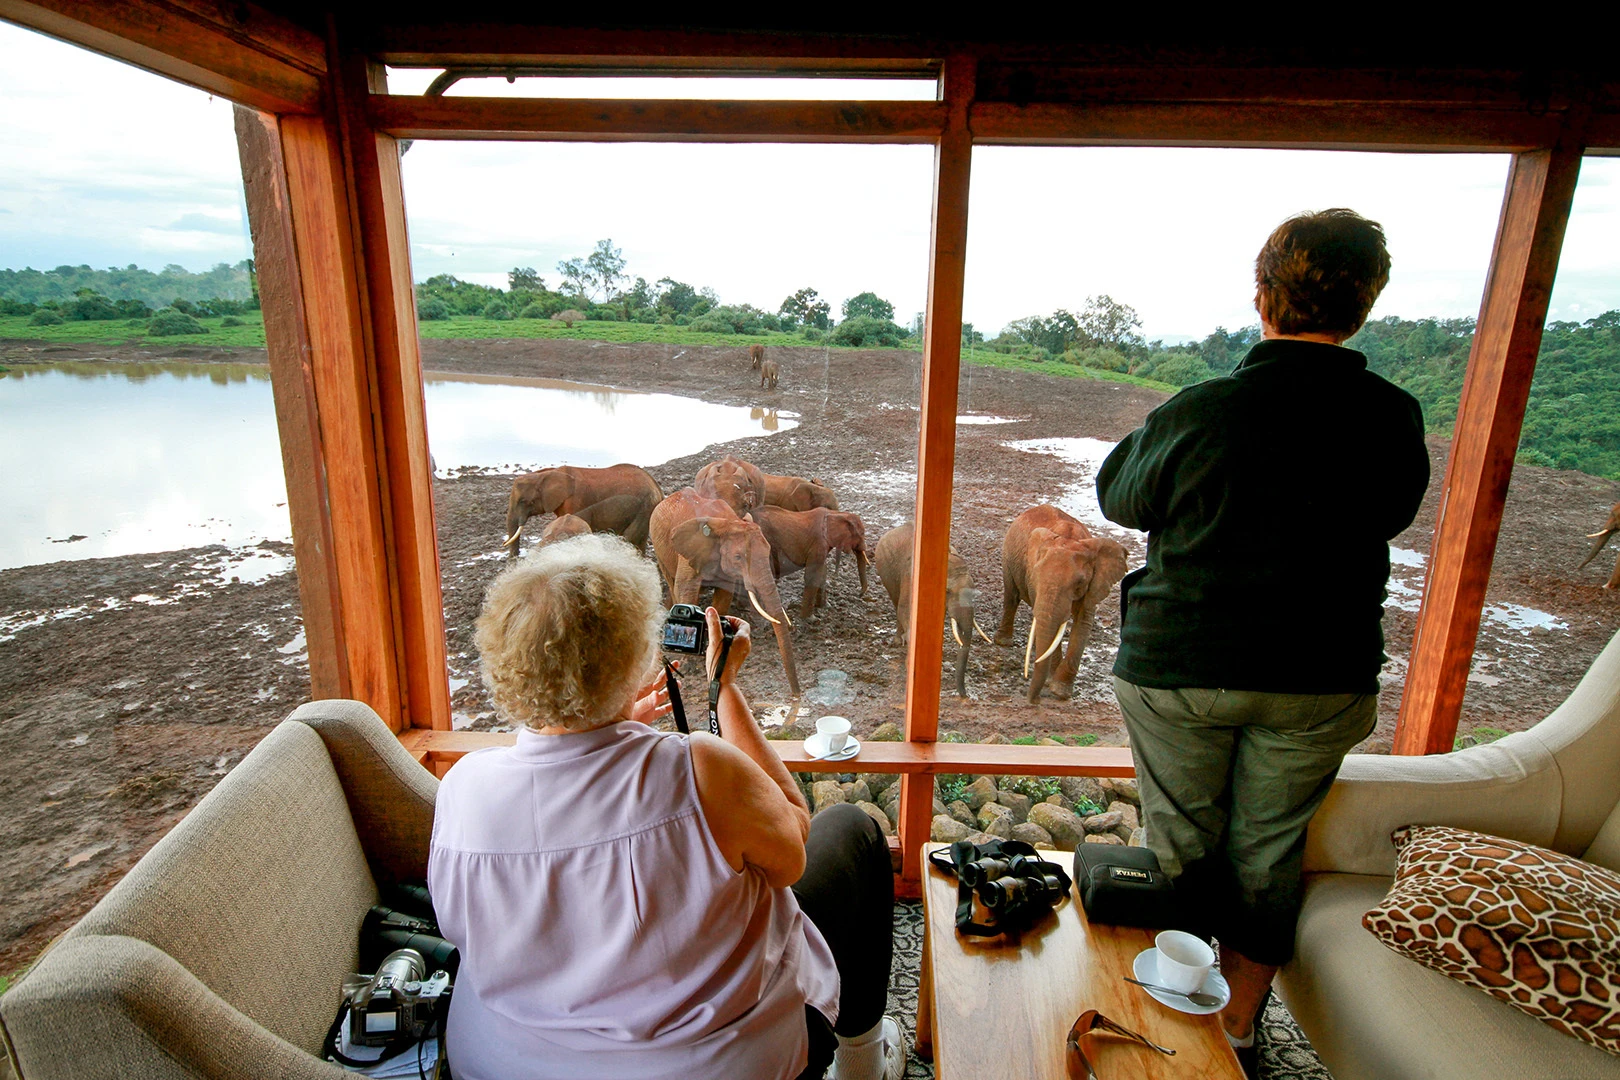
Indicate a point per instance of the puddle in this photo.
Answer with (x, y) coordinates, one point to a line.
(1403, 596)
(972, 421)
(1080, 499)
(296, 645)
(1523, 619)
(191, 450)
(1407, 557)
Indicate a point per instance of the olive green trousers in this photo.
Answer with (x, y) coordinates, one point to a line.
(1229, 781)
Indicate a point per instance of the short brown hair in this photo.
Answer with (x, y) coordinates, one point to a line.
(1320, 273)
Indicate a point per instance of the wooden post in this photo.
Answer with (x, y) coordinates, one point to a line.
(1529, 236)
(936, 455)
(389, 303)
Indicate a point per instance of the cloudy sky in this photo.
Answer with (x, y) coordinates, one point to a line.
(107, 165)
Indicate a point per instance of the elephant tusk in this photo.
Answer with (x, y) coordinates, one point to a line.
(755, 600)
(1594, 536)
(982, 634)
(1029, 649)
(1050, 649)
(956, 633)
(511, 539)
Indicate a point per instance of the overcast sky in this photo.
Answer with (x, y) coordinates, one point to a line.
(107, 165)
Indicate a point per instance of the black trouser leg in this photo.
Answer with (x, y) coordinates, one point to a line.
(848, 891)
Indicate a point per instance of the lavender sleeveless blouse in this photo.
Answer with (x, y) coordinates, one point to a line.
(602, 933)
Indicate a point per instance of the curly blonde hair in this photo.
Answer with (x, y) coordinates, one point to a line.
(568, 633)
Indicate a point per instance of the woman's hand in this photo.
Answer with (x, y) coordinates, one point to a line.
(652, 700)
(741, 643)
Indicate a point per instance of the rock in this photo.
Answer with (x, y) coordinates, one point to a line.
(995, 738)
(960, 811)
(990, 812)
(1128, 814)
(876, 813)
(939, 807)
(983, 837)
(1018, 804)
(1044, 847)
(1059, 800)
(1122, 787)
(981, 791)
(1032, 834)
(891, 810)
(1105, 838)
(1065, 827)
(1138, 838)
(947, 830)
(878, 783)
(825, 793)
(888, 731)
(856, 792)
(1082, 789)
(1103, 823)
(1047, 740)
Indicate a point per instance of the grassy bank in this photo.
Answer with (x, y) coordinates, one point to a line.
(249, 335)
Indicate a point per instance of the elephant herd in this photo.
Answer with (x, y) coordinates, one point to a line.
(738, 528)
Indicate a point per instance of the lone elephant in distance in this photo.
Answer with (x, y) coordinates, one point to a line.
(797, 493)
(756, 354)
(893, 562)
(571, 489)
(698, 541)
(1051, 562)
(769, 372)
(1610, 527)
(737, 483)
(802, 539)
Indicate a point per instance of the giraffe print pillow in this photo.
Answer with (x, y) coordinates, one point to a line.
(1539, 930)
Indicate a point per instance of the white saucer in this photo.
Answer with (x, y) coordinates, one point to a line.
(1146, 968)
(816, 747)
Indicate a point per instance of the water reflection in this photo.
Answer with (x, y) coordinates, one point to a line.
(115, 459)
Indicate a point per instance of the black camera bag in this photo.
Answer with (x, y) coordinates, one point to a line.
(961, 853)
(1124, 886)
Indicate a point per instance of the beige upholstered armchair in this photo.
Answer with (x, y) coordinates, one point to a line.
(1374, 1015)
(222, 953)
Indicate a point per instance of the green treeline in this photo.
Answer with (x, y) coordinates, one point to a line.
(153, 289)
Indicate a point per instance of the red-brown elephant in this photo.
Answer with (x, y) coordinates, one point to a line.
(797, 493)
(563, 527)
(571, 489)
(699, 542)
(737, 483)
(1052, 563)
(893, 560)
(1602, 537)
(756, 354)
(802, 539)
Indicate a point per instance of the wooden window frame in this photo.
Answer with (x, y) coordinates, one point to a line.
(318, 137)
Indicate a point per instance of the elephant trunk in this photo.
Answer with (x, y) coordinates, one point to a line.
(1602, 538)
(768, 601)
(962, 623)
(516, 514)
(1046, 635)
(860, 568)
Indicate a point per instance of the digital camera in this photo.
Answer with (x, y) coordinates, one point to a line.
(396, 1004)
(687, 630)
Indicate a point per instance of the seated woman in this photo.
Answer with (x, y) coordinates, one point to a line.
(635, 903)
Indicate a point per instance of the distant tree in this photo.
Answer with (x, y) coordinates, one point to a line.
(432, 310)
(497, 309)
(577, 279)
(868, 331)
(172, 321)
(44, 317)
(970, 336)
(524, 278)
(569, 317)
(869, 304)
(607, 265)
(675, 297)
(1106, 321)
(806, 308)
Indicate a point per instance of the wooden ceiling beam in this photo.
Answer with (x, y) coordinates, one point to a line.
(236, 51)
(1379, 127)
(657, 120)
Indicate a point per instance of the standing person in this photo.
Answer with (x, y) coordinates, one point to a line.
(632, 903)
(1251, 641)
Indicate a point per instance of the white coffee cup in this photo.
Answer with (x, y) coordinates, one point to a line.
(1184, 960)
(834, 731)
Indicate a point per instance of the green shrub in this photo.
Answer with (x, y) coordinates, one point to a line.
(1100, 358)
(1180, 369)
(230, 320)
(1534, 457)
(171, 321)
(44, 317)
(1038, 788)
(496, 310)
(535, 310)
(15, 307)
(713, 324)
(813, 334)
(432, 309)
(868, 332)
(136, 322)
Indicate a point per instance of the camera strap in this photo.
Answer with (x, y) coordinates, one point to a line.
(677, 708)
(714, 684)
(963, 853)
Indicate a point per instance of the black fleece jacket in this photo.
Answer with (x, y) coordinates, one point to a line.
(1269, 498)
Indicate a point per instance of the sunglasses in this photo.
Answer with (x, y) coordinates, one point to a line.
(1080, 1068)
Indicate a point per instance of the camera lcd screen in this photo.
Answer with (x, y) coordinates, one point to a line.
(678, 636)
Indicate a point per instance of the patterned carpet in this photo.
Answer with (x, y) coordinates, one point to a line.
(1285, 1054)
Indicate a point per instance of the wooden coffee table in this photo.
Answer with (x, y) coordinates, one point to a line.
(1003, 1006)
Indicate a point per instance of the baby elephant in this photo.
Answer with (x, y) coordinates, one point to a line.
(562, 527)
(1052, 563)
(1610, 527)
(768, 371)
(893, 562)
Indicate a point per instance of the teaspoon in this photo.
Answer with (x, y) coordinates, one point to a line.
(1197, 997)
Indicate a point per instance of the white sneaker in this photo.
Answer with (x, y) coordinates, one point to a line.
(882, 1057)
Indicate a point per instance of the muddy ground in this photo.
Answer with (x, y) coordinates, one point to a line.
(129, 685)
